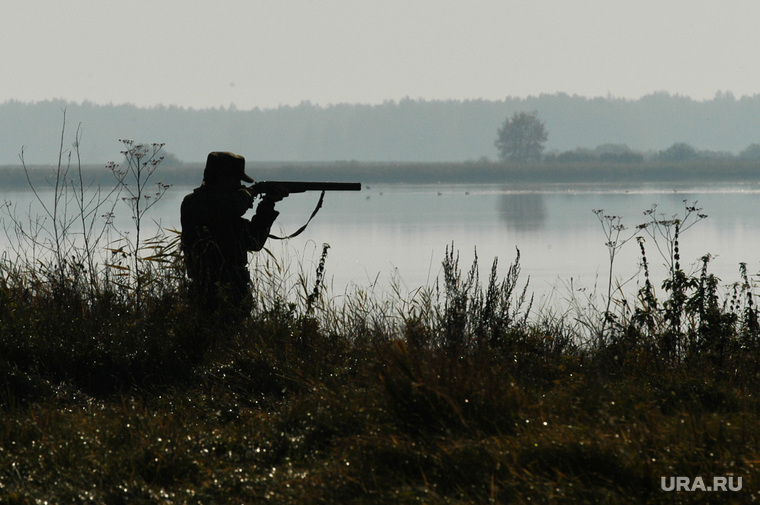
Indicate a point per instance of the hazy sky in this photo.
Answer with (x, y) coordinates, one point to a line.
(266, 53)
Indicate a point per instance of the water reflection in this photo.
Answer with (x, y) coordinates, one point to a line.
(523, 211)
(404, 229)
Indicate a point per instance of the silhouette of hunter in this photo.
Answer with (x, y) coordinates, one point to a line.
(216, 237)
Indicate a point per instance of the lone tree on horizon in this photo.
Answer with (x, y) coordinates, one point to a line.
(521, 137)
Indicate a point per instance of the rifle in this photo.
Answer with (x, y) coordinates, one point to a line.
(264, 187)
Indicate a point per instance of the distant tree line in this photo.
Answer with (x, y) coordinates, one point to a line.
(621, 153)
(408, 130)
(522, 137)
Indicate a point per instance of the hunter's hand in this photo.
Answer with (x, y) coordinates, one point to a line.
(276, 193)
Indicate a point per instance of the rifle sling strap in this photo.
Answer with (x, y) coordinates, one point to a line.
(302, 228)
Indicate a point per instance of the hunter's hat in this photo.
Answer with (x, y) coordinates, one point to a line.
(225, 164)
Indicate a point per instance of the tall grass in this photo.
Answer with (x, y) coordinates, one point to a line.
(458, 392)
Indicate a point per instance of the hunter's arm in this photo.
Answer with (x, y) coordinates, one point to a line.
(260, 224)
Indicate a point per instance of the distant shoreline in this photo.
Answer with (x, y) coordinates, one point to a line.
(480, 172)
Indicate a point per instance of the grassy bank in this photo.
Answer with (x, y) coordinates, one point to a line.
(457, 395)
(479, 172)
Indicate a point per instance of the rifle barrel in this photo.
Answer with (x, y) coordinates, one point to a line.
(302, 186)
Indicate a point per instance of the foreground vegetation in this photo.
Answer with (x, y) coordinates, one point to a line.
(453, 396)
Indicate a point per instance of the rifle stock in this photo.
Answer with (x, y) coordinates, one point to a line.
(263, 187)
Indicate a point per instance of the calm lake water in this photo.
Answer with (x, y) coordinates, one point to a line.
(400, 232)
